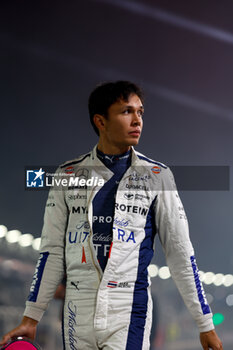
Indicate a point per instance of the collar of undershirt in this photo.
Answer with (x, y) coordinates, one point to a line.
(113, 158)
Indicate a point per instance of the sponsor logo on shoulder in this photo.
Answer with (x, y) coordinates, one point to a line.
(82, 173)
(156, 169)
(69, 170)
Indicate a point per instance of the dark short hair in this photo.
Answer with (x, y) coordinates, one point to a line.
(105, 94)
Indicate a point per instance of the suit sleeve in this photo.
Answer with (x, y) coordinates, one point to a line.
(50, 265)
(172, 226)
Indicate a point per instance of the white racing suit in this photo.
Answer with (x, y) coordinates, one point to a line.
(113, 310)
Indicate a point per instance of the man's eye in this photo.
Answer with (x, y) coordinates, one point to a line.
(128, 111)
(140, 113)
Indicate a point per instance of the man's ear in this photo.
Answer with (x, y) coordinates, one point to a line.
(99, 121)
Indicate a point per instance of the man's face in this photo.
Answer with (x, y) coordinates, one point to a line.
(123, 125)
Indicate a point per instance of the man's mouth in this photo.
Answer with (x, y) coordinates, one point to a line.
(135, 133)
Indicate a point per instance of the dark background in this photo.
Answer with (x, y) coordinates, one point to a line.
(181, 53)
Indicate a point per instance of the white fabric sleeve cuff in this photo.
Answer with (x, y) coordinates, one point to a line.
(205, 325)
(34, 312)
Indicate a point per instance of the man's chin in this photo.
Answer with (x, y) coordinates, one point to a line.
(134, 142)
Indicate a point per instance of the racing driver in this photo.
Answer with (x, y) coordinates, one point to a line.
(101, 237)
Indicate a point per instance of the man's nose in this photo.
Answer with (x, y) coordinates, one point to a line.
(137, 119)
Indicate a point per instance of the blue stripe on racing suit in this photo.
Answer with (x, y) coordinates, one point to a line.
(104, 204)
(140, 301)
(200, 291)
(35, 286)
(152, 161)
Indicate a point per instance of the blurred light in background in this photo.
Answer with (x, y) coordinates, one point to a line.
(228, 280)
(201, 275)
(218, 319)
(164, 272)
(36, 243)
(208, 278)
(218, 279)
(229, 300)
(209, 298)
(25, 240)
(153, 270)
(3, 231)
(13, 236)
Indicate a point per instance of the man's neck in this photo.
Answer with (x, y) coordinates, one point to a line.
(111, 150)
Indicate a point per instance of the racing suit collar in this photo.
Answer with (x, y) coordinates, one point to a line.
(97, 161)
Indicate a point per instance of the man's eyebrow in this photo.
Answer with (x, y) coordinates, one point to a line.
(130, 106)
